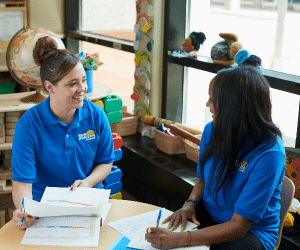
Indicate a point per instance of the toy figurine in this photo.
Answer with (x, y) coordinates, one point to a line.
(190, 45)
(224, 51)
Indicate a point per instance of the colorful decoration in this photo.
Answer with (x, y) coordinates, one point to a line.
(136, 91)
(141, 71)
(140, 107)
(143, 56)
(150, 7)
(149, 42)
(90, 61)
(148, 26)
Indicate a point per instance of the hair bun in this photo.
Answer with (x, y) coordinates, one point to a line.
(44, 48)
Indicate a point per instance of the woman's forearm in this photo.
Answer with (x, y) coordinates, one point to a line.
(224, 232)
(198, 189)
(19, 191)
(98, 174)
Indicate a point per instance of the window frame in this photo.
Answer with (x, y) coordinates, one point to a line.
(173, 68)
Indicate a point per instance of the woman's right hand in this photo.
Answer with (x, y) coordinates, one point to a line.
(188, 211)
(28, 220)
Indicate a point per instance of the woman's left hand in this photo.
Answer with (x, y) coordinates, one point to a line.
(79, 183)
(161, 238)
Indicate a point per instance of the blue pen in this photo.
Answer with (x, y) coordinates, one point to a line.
(22, 211)
(158, 218)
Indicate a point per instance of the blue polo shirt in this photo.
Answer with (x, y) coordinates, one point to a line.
(47, 152)
(254, 192)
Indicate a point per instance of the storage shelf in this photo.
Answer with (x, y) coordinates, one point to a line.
(281, 81)
(5, 146)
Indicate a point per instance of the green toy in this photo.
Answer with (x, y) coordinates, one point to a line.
(112, 103)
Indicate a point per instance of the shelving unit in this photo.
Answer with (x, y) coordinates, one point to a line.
(11, 24)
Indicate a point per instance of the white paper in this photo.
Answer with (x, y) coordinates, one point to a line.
(39, 209)
(134, 228)
(88, 227)
(65, 217)
(92, 196)
(130, 226)
(139, 241)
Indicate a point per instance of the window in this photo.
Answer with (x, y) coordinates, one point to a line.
(256, 26)
(114, 18)
(100, 27)
(264, 29)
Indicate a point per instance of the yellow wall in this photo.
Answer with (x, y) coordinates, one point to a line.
(47, 14)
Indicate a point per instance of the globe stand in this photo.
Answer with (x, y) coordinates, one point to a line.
(35, 98)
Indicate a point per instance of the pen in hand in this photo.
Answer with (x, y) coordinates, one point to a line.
(158, 218)
(22, 211)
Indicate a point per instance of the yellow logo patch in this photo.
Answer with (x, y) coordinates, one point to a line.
(89, 135)
(242, 166)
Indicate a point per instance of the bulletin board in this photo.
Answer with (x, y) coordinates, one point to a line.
(11, 21)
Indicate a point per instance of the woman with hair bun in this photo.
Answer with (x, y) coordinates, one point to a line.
(64, 141)
(241, 167)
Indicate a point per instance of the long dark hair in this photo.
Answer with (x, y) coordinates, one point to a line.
(241, 98)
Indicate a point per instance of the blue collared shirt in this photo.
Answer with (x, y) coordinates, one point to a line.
(254, 191)
(47, 152)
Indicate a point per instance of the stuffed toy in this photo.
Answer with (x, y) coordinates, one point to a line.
(243, 57)
(291, 224)
(224, 51)
(190, 45)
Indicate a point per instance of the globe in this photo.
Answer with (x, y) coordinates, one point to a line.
(20, 62)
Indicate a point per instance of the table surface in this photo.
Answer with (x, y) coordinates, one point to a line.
(100, 90)
(11, 236)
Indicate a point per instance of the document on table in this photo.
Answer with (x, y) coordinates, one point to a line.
(134, 228)
(67, 218)
(64, 231)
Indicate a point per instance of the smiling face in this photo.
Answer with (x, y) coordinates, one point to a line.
(68, 93)
(210, 102)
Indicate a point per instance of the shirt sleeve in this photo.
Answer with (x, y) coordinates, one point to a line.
(264, 183)
(204, 141)
(23, 155)
(105, 148)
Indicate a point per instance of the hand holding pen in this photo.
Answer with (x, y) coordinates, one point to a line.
(21, 219)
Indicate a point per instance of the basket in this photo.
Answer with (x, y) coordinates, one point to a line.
(169, 144)
(127, 126)
(192, 150)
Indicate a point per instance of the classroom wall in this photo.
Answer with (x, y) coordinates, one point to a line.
(47, 14)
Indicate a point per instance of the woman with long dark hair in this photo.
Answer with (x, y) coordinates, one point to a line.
(241, 167)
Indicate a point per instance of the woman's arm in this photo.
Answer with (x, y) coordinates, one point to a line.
(225, 232)
(99, 173)
(19, 191)
(188, 210)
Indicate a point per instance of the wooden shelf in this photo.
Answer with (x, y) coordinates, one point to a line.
(5, 146)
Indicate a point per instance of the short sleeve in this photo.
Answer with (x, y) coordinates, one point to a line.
(264, 183)
(105, 148)
(206, 135)
(23, 155)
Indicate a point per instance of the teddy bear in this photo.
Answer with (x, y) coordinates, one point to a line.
(224, 52)
(190, 45)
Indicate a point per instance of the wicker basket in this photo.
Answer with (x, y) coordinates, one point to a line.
(192, 150)
(169, 144)
(127, 126)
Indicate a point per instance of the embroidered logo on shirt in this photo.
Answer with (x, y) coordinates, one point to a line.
(89, 135)
(242, 166)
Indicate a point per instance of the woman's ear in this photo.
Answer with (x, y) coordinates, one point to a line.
(49, 87)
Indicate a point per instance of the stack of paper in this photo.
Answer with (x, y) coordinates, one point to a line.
(134, 228)
(67, 218)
